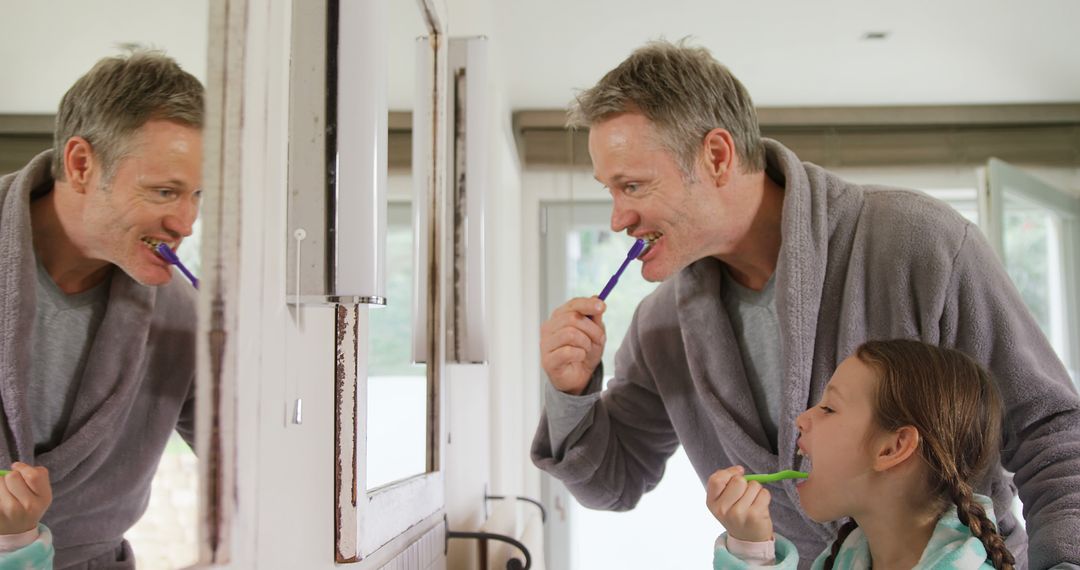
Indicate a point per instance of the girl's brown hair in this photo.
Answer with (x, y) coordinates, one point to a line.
(955, 406)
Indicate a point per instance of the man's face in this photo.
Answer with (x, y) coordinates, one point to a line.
(153, 197)
(652, 198)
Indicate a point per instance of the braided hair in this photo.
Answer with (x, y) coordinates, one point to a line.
(955, 407)
(841, 535)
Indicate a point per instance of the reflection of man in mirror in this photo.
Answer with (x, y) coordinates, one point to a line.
(97, 339)
(774, 271)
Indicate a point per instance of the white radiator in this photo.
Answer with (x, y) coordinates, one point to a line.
(427, 553)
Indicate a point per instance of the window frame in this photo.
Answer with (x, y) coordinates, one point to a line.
(371, 523)
(998, 176)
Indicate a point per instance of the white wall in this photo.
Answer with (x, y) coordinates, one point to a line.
(285, 480)
(47, 45)
(509, 404)
(488, 425)
(956, 176)
(495, 418)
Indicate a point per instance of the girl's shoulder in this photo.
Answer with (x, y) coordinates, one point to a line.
(953, 546)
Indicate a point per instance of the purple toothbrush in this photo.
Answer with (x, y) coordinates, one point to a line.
(169, 255)
(635, 251)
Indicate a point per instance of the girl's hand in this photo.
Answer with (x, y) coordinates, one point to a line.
(741, 506)
(25, 494)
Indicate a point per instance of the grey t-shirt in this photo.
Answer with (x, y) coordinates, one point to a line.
(64, 330)
(757, 328)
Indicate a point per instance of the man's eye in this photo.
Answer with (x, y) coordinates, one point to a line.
(630, 188)
(166, 193)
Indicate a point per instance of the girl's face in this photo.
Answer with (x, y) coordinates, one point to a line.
(836, 437)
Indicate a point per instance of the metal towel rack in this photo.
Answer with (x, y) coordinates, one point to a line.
(483, 537)
(543, 511)
(512, 564)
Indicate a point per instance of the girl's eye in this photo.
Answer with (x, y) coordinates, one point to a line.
(827, 410)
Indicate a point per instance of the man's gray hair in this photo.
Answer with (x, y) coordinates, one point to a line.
(117, 97)
(686, 93)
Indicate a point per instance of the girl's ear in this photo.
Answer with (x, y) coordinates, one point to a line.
(896, 447)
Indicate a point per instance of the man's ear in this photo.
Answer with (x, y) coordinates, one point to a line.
(896, 447)
(719, 155)
(80, 163)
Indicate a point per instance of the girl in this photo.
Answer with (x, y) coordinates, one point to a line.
(902, 432)
(25, 495)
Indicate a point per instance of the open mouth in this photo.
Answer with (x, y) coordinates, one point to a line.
(153, 243)
(650, 241)
(806, 464)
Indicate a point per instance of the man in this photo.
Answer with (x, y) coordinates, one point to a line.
(774, 271)
(97, 343)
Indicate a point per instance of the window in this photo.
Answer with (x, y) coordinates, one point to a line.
(1035, 228)
(580, 254)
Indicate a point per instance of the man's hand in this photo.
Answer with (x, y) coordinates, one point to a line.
(25, 494)
(741, 506)
(571, 343)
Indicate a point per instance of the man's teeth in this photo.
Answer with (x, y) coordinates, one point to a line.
(151, 242)
(650, 241)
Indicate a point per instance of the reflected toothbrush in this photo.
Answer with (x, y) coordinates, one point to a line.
(169, 255)
(778, 476)
(635, 251)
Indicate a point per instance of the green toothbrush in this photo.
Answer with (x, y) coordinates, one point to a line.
(778, 476)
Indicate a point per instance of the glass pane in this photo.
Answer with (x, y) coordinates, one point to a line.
(189, 250)
(1032, 239)
(592, 254)
(397, 388)
(165, 536)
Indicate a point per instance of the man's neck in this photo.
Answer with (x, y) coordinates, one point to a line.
(72, 271)
(754, 259)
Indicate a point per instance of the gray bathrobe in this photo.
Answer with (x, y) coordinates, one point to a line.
(137, 387)
(856, 263)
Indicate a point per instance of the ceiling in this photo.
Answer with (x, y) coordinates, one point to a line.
(787, 52)
(807, 53)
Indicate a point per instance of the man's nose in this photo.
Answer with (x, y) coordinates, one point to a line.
(181, 220)
(621, 217)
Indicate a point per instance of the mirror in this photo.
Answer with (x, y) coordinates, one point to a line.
(37, 74)
(397, 404)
